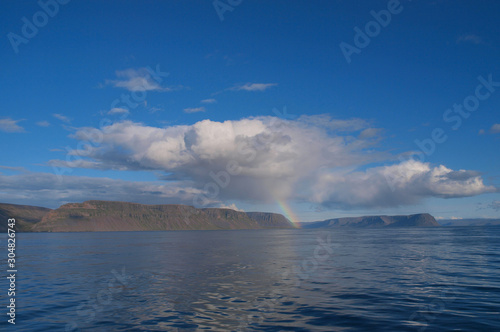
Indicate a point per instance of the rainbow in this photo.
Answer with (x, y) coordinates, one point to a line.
(289, 213)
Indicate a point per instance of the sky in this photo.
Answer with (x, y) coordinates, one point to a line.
(313, 109)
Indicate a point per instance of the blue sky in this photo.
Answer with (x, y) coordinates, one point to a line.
(150, 101)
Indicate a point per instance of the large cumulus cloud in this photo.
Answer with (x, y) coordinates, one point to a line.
(312, 158)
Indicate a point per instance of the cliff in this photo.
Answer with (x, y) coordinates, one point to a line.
(470, 222)
(93, 216)
(414, 220)
(26, 216)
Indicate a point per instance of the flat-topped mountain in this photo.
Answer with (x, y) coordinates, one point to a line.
(414, 220)
(94, 216)
(470, 222)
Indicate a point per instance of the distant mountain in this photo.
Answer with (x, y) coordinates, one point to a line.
(26, 216)
(95, 216)
(414, 220)
(470, 222)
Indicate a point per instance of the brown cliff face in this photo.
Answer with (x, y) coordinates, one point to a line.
(94, 216)
(26, 216)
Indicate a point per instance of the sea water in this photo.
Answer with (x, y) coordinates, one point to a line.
(345, 279)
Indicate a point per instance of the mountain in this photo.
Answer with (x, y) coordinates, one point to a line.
(470, 222)
(26, 216)
(94, 216)
(414, 220)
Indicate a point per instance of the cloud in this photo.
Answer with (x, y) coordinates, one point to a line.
(253, 87)
(481, 132)
(118, 110)
(231, 207)
(495, 129)
(370, 133)
(61, 117)
(495, 205)
(470, 38)
(209, 101)
(9, 125)
(401, 184)
(194, 110)
(50, 190)
(155, 109)
(264, 159)
(15, 169)
(136, 80)
(43, 123)
(338, 125)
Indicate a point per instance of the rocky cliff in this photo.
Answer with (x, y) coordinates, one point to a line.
(26, 216)
(414, 220)
(93, 216)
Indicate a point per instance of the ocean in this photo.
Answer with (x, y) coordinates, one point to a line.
(346, 279)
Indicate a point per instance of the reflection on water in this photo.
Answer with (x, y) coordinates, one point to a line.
(296, 280)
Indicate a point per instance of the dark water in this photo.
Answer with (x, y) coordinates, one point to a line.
(432, 279)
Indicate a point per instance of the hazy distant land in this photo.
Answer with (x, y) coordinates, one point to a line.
(96, 216)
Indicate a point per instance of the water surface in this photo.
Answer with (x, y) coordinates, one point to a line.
(386, 279)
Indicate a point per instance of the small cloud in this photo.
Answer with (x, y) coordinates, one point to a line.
(118, 110)
(481, 132)
(209, 101)
(61, 117)
(19, 169)
(10, 126)
(155, 109)
(231, 207)
(43, 123)
(456, 218)
(495, 205)
(253, 87)
(470, 38)
(137, 80)
(369, 133)
(194, 109)
(495, 129)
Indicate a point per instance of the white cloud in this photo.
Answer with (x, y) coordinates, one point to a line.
(370, 133)
(43, 123)
(61, 117)
(136, 80)
(305, 159)
(209, 101)
(9, 125)
(470, 38)
(194, 110)
(15, 169)
(253, 86)
(118, 110)
(495, 129)
(481, 132)
(231, 207)
(47, 189)
(401, 184)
